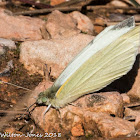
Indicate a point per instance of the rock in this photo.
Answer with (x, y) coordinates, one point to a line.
(2, 50)
(134, 92)
(137, 18)
(126, 98)
(87, 121)
(77, 130)
(129, 113)
(110, 126)
(19, 28)
(99, 21)
(10, 130)
(61, 25)
(8, 43)
(83, 22)
(56, 53)
(56, 2)
(108, 102)
(98, 28)
(137, 122)
(117, 3)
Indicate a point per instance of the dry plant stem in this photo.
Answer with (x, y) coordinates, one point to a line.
(43, 11)
(13, 112)
(39, 5)
(14, 85)
(71, 2)
(112, 8)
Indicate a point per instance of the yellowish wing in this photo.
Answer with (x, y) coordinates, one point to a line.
(107, 65)
(102, 40)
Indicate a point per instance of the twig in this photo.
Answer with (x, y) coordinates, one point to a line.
(15, 85)
(68, 3)
(112, 8)
(13, 112)
(43, 11)
(39, 5)
(135, 3)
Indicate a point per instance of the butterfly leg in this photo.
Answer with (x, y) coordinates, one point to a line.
(45, 113)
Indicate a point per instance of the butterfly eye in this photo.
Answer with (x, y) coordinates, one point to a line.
(44, 99)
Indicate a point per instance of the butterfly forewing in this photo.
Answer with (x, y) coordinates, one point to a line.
(107, 36)
(107, 65)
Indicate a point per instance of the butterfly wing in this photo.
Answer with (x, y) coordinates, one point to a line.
(110, 34)
(102, 68)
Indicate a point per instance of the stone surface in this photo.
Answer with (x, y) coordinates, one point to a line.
(137, 122)
(73, 118)
(7, 43)
(134, 92)
(126, 98)
(61, 25)
(110, 126)
(99, 21)
(77, 130)
(98, 28)
(56, 53)
(56, 2)
(117, 3)
(83, 22)
(2, 50)
(131, 113)
(108, 102)
(19, 28)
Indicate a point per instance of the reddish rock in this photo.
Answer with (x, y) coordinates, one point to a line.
(110, 127)
(10, 130)
(118, 3)
(77, 130)
(61, 25)
(98, 28)
(129, 113)
(137, 122)
(126, 98)
(73, 118)
(56, 2)
(108, 102)
(134, 92)
(56, 53)
(99, 21)
(83, 22)
(19, 28)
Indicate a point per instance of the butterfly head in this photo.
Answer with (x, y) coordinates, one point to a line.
(42, 99)
(45, 98)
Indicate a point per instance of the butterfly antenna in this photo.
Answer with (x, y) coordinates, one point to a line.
(47, 72)
(14, 85)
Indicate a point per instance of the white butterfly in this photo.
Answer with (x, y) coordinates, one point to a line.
(108, 57)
